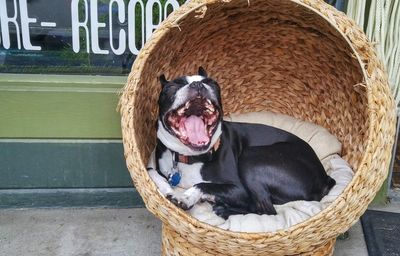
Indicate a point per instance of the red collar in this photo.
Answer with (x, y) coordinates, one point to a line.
(198, 158)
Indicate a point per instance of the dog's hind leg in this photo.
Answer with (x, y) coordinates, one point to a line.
(253, 176)
(262, 203)
(224, 210)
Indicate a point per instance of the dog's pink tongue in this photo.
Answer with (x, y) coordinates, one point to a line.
(196, 130)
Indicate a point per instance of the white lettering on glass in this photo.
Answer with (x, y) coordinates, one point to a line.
(150, 26)
(5, 20)
(122, 35)
(25, 20)
(94, 28)
(76, 25)
(48, 24)
(132, 25)
(174, 4)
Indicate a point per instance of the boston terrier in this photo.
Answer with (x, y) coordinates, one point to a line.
(239, 168)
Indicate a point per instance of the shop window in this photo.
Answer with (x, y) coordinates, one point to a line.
(77, 36)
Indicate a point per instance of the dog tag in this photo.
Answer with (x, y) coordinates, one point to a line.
(174, 178)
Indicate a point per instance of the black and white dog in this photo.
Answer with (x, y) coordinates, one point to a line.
(238, 167)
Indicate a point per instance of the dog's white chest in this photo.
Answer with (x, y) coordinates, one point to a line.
(190, 173)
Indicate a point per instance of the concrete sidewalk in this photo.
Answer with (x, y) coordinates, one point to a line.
(83, 232)
(119, 232)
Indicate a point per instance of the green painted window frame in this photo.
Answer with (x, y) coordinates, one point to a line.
(60, 106)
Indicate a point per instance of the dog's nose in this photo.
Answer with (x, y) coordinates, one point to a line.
(196, 85)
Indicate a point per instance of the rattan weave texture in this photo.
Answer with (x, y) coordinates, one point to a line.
(297, 57)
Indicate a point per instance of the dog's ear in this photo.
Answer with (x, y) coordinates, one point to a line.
(163, 80)
(202, 72)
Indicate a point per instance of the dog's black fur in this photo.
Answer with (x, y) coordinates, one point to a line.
(254, 166)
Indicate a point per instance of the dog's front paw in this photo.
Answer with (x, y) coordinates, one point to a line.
(179, 201)
(185, 200)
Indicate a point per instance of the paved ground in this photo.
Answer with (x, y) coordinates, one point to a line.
(83, 232)
(119, 232)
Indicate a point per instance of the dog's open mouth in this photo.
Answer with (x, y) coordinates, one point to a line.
(194, 122)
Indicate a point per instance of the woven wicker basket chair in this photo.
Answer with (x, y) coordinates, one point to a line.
(297, 57)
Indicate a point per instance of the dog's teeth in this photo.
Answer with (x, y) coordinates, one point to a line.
(183, 134)
(187, 105)
(181, 111)
(175, 131)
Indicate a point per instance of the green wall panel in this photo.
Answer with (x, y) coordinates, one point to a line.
(62, 164)
(99, 197)
(39, 106)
